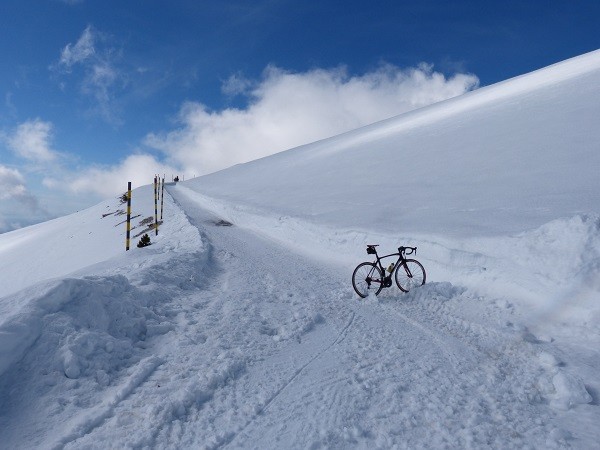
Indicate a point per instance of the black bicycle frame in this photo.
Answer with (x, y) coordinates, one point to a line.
(387, 279)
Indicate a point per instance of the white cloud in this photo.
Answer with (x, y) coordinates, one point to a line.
(106, 181)
(31, 140)
(12, 183)
(288, 109)
(82, 50)
(16, 199)
(98, 83)
(235, 85)
(100, 74)
(67, 188)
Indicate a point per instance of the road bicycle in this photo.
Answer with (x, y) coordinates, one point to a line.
(373, 277)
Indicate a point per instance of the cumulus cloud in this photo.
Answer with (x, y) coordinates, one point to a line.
(31, 140)
(287, 109)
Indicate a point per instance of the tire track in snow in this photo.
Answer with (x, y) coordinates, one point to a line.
(503, 365)
(340, 337)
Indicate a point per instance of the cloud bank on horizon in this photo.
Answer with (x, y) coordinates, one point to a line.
(282, 109)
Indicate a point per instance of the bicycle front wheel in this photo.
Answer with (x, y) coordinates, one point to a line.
(409, 275)
(367, 278)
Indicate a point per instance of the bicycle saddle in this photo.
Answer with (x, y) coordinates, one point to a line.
(371, 249)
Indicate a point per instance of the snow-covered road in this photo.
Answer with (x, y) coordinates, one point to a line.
(274, 350)
(220, 337)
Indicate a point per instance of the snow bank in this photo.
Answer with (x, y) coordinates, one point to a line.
(95, 316)
(548, 271)
(78, 344)
(99, 312)
(73, 343)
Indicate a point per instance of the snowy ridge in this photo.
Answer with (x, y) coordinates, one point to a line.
(238, 327)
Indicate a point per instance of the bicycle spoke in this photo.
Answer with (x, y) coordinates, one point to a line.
(410, 275)
(366, 279)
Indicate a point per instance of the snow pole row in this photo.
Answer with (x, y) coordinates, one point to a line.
(159, 193)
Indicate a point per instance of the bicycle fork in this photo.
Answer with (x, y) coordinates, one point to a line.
(407, 270)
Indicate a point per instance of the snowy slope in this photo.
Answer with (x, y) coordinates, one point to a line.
(250, 335)
(502, 159)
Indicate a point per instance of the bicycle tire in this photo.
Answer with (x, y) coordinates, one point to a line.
(360, 279)
(406, 282)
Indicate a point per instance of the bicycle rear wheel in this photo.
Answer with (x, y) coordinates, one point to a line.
(409, 275)
(367, 278)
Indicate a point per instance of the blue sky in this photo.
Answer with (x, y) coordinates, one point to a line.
(98, 92)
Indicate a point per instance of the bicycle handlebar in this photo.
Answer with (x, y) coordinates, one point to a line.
(405, 250)
(372, 250)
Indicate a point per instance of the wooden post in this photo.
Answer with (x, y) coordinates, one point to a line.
(128, 216)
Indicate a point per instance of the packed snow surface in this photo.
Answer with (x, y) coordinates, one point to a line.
(238, 327)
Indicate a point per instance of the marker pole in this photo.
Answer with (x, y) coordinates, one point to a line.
(128, 216)
(162, 198)
(156, 205)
